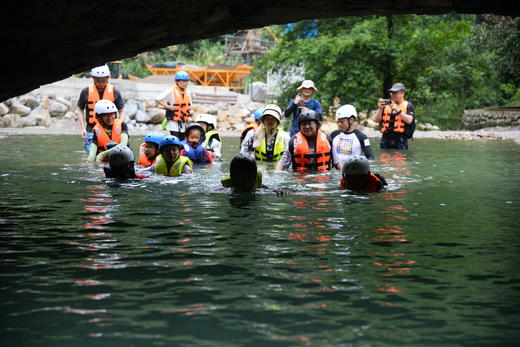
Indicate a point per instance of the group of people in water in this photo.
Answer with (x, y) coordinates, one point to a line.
(305, 148)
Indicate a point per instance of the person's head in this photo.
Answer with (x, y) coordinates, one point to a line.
(121, 160)
(307, 88)
(170, 148)
(194, 134)
(397, 92)
(356, 170)
(182, 79)
(271, 116)
(100, 75)
(207, 122)
(308, 123)
(152, 141)
(106, 112)
(257, 115)
(346, 117)
(243, 172)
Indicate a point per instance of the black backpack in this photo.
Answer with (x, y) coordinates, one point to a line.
(409, 129)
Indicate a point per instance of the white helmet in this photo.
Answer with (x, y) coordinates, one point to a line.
(100, 71)
(207, 118)
(356, 165)
(272, 110)
(346, 111)
(104, 106)
(121, 155)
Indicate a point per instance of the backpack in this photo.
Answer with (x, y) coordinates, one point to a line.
(409, 129)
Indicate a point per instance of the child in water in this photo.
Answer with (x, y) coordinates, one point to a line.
(212, 139)
(170, 162)
(244, 175)
(193, 145)
(121, 164)
(149, 149)
(357, 176)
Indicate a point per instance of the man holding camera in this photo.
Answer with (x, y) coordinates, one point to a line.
(396, 117)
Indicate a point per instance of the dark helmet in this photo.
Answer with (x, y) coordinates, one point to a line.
(194, 126)
(356, 165)
(307, 116)
(242, 164)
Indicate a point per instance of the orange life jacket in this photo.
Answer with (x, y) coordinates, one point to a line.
(102, 137)
(372, 184)
(93, 97)
(302, 159)
(182, 103)
(143, 159)
(395, 123)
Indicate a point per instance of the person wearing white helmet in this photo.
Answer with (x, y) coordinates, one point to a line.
(108, 131)
(269, 141)
(357, 176)
(121, 164)
(177, 102)
(212, 139)
(303, 102)
(348, 140)
(98, 90)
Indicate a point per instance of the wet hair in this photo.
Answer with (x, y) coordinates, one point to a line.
(243, 165)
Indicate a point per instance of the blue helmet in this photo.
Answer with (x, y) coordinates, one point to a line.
(182, 76)
(258, 114)
(170, 140)
(154, 137)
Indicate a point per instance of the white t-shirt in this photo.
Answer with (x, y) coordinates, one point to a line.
(346, 144)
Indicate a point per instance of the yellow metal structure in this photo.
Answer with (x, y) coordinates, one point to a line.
(232, 79)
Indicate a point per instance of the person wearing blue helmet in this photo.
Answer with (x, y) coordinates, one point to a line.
(253, 125)
(149, 149)
(177, 102)
(170, 162)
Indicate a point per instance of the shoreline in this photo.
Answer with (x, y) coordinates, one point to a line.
(496, 133)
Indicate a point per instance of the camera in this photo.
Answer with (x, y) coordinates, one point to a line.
(387, 101)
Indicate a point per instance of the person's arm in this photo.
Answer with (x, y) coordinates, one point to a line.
(120, 104)
(247, 144)
(381, 105)
(334, 157)
(365, 144)
(92, 154)
(104, 154)
(409, 115)
(164, 98)
(82, 125)
(186, 169)
(318, 109)
(286, 159)
(290, 109)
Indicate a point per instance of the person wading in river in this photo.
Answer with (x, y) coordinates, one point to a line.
(397, 119)
(88, 97)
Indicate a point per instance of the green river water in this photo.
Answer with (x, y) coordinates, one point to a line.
(433, 260)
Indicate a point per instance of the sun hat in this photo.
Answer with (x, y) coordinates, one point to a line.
(307, 84)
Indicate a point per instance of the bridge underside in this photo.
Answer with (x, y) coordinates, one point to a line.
(45, 41)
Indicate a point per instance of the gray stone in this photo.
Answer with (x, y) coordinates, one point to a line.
(156, 115)
(57, 109)
(64, 101)
(29, 121)
(4, 109)
(42, 116)
(142, 116)
(71, 115)
(12, 120)
(30, 101)
(19, 108)
(131, 109)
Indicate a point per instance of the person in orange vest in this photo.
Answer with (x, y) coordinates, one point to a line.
(149, 149)
(357, 177)
(252, 126)
(108, 131)
(177, 102)
(88, 97)
(310, 150)
(396, 117)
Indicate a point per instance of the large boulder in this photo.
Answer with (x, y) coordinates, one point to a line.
(19, 108)
(4, 109)
(42, 116)
(64, 101)
(156, 115)
(12, 120)
(142, 117)
(30, 101)
(131, 109)
(57, 109)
